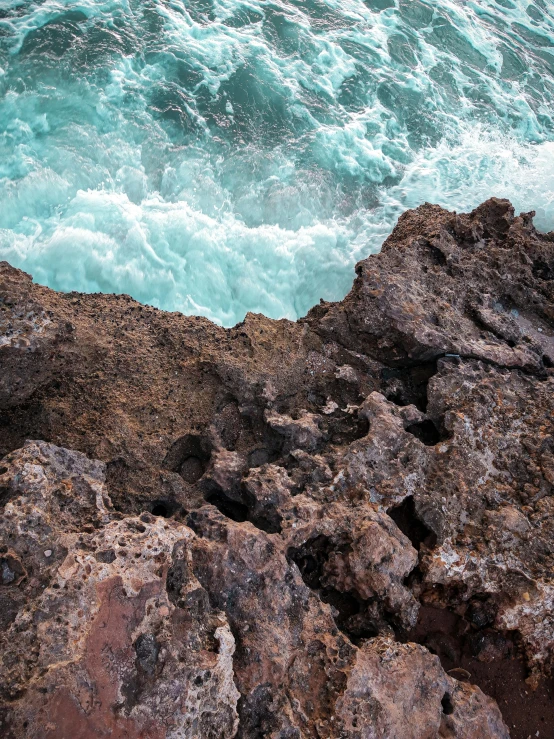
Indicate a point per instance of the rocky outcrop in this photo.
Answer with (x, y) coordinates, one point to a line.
(328, 528)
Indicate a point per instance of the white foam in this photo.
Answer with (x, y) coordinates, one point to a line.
(99, 192)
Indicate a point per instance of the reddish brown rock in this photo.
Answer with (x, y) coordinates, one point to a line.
(424, 702)
(114, 636)
(274, 504)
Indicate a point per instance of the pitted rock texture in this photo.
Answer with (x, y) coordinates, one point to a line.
(110, 633)
(243, 532)
(127, 626)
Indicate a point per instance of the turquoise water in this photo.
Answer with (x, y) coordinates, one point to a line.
(220, 156)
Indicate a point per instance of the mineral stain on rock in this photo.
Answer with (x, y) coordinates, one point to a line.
(336, 527)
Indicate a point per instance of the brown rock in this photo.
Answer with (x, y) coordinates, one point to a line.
(119, 639)
(273, 503)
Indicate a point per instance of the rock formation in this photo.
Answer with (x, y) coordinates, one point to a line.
(336, 527)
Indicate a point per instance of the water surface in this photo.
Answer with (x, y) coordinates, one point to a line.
(220, 156)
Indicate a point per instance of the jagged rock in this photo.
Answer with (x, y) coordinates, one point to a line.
(114, 635)
(376, 703)
(274, 503)
(358, 552)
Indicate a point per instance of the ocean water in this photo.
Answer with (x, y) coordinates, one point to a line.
(224, 156)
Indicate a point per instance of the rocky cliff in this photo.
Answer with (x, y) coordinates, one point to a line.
(339, 527)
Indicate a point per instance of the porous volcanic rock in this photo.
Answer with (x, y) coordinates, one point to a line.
(322, 528)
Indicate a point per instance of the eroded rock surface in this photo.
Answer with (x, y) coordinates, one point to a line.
(245, 532)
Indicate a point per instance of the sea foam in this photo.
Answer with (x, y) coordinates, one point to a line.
(219, 157)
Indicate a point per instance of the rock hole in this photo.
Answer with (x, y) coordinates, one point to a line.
(271, 524)
(397, 398)
(267, 446)
(189, 457)
(106, 556)
(309, 567)
(351, 613)
(545, 360)
(241, 505)
(408, 385)
(160, 509)
(447, 705)
(407, 520)
(3, 470)
(542, 271)
(229, 508)
(192, 469)
(437, 256)
(426, 432)
(481, 612)
(164, 507)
